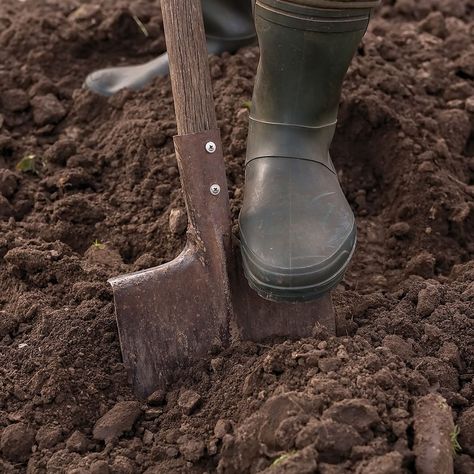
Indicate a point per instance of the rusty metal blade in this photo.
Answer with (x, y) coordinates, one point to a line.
(259, 319)
(168, 317)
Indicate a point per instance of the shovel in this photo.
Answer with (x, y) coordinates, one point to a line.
(172, 315)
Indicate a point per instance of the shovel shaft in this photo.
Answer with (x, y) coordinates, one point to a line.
(189, 68)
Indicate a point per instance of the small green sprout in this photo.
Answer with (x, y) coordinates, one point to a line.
(247, 104)
(29, 163)
(455, 446)
(141, 25)
(97, 244)
(282, 458)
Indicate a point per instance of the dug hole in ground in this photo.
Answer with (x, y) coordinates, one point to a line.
(89, 189)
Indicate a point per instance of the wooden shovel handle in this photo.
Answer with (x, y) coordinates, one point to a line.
(189, 67)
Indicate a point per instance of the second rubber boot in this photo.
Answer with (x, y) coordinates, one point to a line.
(297, 229)
(228, 24)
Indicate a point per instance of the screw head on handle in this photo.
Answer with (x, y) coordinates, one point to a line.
(215, 189)
(211, 147)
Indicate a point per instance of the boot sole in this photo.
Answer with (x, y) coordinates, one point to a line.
(297, 293)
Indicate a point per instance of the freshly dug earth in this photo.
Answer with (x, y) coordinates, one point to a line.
(89, 189)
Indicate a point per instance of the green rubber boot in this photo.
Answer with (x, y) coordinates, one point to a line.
(297, 229)
(228, 24)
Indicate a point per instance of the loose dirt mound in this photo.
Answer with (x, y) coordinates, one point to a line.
(87, 187)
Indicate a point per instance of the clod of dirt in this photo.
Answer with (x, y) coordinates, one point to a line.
(466, 430)
(433, 425)
(59, 460)
(77, 178)
(49, 436)
(47, 109)
(390, 463)
(99, 467)
(449, 352)
(222, 428)
(360, 414)
(439, 373)
(191, 448)
(398, 346)
(60, 151)
(6, 210)
(399, 229)
(188, 401)
(123, 465)
(434, 24)
(16, 442)
(77, 442)
(465, 64)
(469, 104)
(333, 441)
(178, 221)
(157, 398)
(117, 421)
(428, 299)
(329, 364)
(15, 100)
(463, 464)
(78, 209)
(421, 264)
(455, 127)
(102, 254)
(8, 183)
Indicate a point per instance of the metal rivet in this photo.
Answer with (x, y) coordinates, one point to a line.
(211, 147)
(215, 189)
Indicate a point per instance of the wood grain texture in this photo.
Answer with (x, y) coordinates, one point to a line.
(189, 67)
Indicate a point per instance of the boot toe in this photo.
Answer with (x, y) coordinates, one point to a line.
(297, 229)
(101, 82)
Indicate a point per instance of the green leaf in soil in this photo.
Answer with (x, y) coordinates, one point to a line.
(29, 163)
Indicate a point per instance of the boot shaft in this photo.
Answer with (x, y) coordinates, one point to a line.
(304, 55)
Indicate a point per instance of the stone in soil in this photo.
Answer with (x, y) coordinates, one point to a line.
(178, 221)
(117, 421)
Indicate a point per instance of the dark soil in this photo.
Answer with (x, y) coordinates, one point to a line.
(87, 186)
